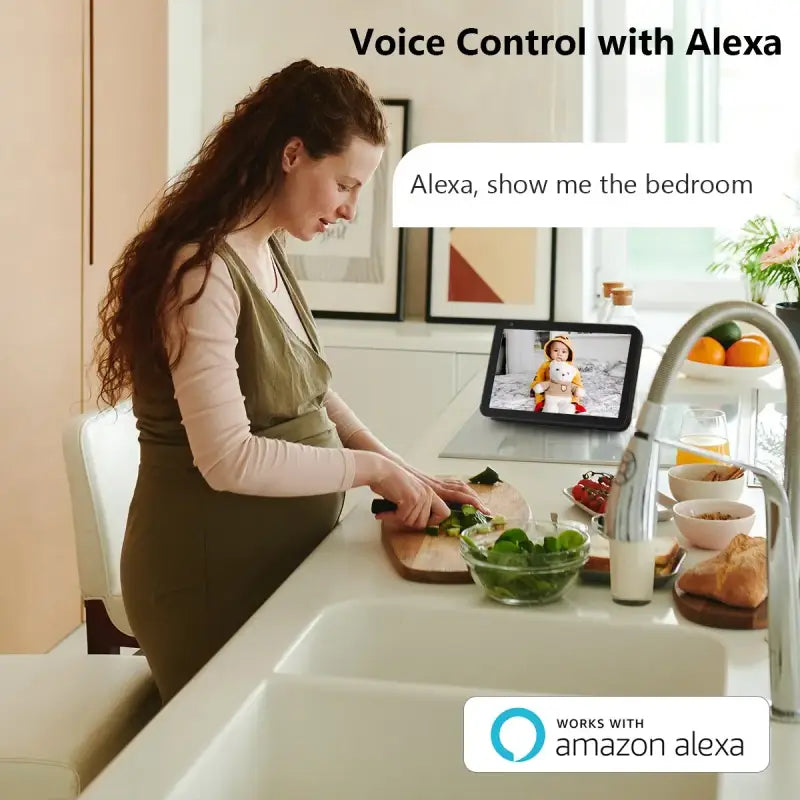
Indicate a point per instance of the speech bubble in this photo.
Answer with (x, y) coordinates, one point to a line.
(525, 185)
(525, 730)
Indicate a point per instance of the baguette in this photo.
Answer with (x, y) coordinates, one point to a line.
(736, 576)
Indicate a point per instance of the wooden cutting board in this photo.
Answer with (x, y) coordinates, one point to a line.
(714, 614)
(418, 556)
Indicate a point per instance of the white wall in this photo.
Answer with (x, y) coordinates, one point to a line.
(523, 357)
(454, 97)
(185, 82)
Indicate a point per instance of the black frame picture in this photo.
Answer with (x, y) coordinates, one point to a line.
(438, 308)
(367, 261)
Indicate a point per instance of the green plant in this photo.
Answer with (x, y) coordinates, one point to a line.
(744, 254)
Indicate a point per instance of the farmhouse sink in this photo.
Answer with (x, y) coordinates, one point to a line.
(304, 737)
(369, 702)
(504, 650)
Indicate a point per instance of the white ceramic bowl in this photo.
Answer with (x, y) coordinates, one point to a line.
(686, 483)
(712, 534)
(712, 372)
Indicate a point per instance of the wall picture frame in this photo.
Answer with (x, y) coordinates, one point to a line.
(487, 275)
(356, 269)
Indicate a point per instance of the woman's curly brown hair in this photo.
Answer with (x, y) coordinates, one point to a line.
(237, 169)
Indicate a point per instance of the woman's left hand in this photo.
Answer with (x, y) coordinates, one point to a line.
(452, 490)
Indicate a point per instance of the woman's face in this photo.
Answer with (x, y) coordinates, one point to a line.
(316, 193)
(559, 351)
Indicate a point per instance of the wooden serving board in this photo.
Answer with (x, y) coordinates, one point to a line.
(417, 556)
(714, 614)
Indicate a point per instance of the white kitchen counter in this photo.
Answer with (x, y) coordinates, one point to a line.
(351, 563)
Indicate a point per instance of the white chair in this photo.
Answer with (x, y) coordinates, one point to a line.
(101, 453)
(66, 717)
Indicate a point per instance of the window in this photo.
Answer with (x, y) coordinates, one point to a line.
(680, 98)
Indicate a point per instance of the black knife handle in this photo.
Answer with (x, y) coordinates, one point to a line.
(379, 505)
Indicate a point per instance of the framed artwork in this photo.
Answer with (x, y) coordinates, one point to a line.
(487, 275)
(356, 269)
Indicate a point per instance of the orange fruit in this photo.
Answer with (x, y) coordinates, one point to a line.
(749, 351)
(760, 338)
(707, 351)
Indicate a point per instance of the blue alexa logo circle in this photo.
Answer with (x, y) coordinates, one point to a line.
(511, 713)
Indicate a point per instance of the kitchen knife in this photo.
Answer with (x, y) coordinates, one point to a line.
(380, 505)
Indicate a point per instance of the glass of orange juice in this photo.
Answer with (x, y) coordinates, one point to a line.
(706, 428)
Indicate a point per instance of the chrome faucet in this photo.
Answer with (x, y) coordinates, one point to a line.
(631, 508)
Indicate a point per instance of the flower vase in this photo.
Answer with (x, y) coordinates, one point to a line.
(789, 315)
(756, 291)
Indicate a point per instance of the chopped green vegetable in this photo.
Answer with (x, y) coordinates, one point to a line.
(488, 476)
(461, 519)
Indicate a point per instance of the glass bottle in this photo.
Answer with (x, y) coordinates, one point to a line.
(622, 310)
(608, 303)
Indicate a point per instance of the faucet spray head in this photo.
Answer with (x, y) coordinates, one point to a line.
(631, 509)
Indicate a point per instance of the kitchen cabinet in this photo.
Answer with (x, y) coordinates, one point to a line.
(468, 365)
(396, 393)
(85, 152)
(128, 140)
(409, 373)
(41, 214)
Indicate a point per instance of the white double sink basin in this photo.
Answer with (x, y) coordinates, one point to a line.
(369, 703)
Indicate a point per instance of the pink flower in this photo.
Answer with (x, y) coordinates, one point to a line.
(783, 251)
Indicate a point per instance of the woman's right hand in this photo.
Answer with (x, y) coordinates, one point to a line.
(417, 504)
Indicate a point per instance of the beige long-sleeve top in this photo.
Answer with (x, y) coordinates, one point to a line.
(212, 407)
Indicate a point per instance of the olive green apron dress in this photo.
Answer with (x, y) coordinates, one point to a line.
(196, 562)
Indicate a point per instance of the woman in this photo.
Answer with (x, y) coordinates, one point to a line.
(245, 451)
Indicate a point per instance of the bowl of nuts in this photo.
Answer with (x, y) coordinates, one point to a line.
(706, 481)
(711, 524)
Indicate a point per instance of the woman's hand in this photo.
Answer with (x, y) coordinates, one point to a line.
(452, 490)
(418, 504)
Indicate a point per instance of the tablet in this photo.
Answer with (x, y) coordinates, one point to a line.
(578, 375)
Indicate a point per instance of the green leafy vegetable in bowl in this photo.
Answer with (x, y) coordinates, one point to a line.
(515, 569)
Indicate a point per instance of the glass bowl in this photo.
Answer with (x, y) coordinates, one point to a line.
(525, 562)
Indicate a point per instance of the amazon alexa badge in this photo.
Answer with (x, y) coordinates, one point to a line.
(571, 734)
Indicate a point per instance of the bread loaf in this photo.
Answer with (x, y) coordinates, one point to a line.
(736, 576)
